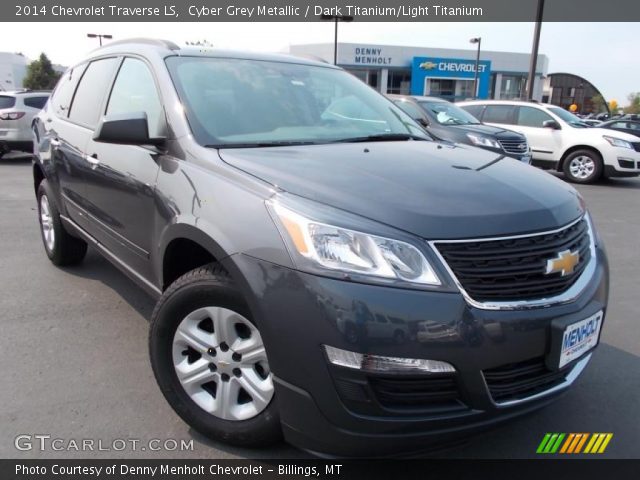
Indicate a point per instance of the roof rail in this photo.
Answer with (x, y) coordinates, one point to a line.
(145, 41)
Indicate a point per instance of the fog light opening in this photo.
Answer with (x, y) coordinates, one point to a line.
(382, 364)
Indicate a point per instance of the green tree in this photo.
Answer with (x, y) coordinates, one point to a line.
(599, 103)
(634, 103)
(40, 74)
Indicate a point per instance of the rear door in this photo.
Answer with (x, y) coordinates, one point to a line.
(70, 133)
(61, 144)
(546, 143)
(121, 182)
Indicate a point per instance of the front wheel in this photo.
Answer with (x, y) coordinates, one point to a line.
(583, 166)
(210, 361)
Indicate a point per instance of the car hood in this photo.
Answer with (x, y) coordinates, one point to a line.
(430, 189)
(599, 130)
(489, 130)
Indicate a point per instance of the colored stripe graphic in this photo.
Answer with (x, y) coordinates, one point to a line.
(607, 439)
(581, 442)
(573, 443)
(556, 445)
(567, 442)
(543, 443)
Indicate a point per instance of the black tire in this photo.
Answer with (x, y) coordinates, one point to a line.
(589, 172)
(204, 287)
(65, 249)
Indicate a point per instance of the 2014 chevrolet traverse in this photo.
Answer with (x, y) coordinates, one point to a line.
(324, 269)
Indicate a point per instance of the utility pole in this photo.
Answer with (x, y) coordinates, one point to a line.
(534, 51)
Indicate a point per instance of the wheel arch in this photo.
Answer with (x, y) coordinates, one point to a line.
(38, 176)
(183, 248)
(575, 148)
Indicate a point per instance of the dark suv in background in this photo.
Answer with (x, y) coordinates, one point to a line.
(324, 269)
(450, 122)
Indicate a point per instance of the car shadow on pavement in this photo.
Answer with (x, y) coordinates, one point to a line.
(96, 267)
(15, 158)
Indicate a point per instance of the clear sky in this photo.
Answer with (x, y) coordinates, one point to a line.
(603, 53)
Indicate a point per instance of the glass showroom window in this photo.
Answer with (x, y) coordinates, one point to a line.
(512, 87)
(399, 82)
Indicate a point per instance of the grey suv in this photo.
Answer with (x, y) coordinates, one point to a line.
(324, 269)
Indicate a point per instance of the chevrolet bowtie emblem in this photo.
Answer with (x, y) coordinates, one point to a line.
(564, 263)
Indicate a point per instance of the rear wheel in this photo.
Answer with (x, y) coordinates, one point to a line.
(210, 361)
(583, 166)
(60, 247)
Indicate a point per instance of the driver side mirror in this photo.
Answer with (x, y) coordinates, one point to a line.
(125, 128)
(552, 124)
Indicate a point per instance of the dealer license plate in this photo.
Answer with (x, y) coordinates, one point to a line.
(580, 337)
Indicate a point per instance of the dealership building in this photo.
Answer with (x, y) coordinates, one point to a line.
(442, 72)
(13, 68)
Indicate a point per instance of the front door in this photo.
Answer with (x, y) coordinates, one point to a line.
(122, 179)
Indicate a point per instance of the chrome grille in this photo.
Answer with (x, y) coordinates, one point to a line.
(517, 147)
(514, 268)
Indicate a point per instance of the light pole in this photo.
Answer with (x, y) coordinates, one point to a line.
(477, 40)
(99, 36)
(336, 19)
(534, 50)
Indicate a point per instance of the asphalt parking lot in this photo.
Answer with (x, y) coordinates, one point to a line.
(75, 364)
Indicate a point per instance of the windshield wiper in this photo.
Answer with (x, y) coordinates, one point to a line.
(276, 143)
(382, 137)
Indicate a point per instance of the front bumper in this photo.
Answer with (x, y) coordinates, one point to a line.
(339, 411)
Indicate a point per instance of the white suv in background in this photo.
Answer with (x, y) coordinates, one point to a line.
(559, 140)
(17, 110)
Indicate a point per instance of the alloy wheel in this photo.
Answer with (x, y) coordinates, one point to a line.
(582, 167)
(46, 223)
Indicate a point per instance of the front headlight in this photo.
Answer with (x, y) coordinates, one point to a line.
(618, 142)
(339, 249)
(482, 141)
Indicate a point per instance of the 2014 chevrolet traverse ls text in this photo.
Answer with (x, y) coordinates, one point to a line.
(324, 269)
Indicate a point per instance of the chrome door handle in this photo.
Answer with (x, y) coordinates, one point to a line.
(54, 142)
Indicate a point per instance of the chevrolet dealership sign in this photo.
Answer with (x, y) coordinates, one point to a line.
(424, 68)
(454, 66)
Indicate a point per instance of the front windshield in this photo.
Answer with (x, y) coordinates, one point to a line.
(568, 117)
(448, 114)
(237, 102)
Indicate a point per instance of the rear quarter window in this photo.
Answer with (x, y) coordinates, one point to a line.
(7, 102)
(498, 114)
(475, 110)
(35, 102)
(63, 94)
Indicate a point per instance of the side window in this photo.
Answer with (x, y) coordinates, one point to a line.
(532, 117)
(87, 101)
(498, 114)
(410, 109)
(63, 94)
(475, 110)
(35, 102)
(135, 91)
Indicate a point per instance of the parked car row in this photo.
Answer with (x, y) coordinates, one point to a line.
(449, 122)
(17, 110)
(561, 141)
